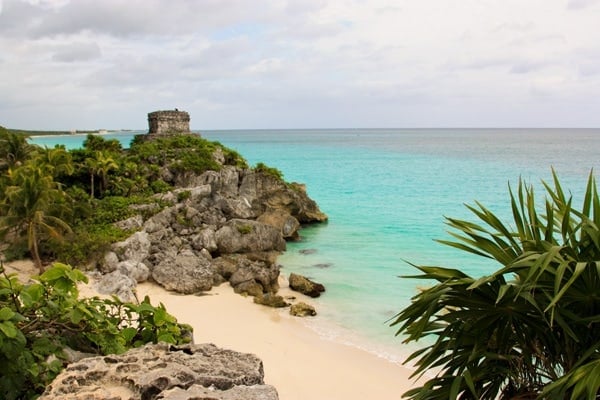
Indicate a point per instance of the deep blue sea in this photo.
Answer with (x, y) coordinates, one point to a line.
(386, 192)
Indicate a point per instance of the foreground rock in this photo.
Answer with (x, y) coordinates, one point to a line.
(305, 286)
(164, 371)
(302, 310)
(271, 300)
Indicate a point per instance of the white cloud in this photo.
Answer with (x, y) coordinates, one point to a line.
(581, 4)
(297, 63)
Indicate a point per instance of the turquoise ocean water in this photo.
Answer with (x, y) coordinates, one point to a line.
(386, 192)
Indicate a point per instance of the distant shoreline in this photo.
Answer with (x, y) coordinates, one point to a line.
(67, 133)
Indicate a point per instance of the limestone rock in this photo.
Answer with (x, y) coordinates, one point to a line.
(136, 247)
(236, 208)
(197, 392)
(195, 193)
(133, 223)
(305, 286)
(186, 273)
(110, 262)
(158, 371)
(302, 310)
(242, 236)
(271, 300)
(205, 239)
(256, 272)
(266, 192)
(281, 220)
(118, 284)
(226, 225)
(250, 288)
(137, 271)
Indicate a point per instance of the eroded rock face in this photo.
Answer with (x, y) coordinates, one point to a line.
(185, 273)
(245, 236)
(287, 225)
(164, 371)
(235, 214)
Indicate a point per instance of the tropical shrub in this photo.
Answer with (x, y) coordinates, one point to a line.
(14, 149)
(529, 330)
(33, 208)
(41, 319)
(271, 171)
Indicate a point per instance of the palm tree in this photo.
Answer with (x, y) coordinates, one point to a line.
(100, 164)
(32, 207)
(58, 161)
(529, 330)
(14, 149)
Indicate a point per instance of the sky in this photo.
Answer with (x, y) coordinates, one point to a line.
(268, 64)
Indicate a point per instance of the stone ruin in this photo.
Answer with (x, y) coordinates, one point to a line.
(168, 122)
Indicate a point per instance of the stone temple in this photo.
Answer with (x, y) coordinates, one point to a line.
(168, 122)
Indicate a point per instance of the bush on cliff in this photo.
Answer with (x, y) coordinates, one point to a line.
(42, 319)
(529, 330)
(182, 153)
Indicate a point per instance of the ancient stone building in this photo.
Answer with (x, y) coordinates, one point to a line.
(168, 122)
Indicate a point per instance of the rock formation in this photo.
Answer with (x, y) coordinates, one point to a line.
(305, 286)
(226, 225)
(302, 309)
(163, 371)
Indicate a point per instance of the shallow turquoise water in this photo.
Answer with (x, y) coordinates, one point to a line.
(386, 193)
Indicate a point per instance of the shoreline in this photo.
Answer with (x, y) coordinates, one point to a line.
(298, 362)
(54, 135)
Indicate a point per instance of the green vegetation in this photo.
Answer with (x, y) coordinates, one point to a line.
(183, 153)
(265, 169)
(32, 208)
(62, 205)
(14, 149)
(244, 229)
(47, 195)
(42, 319)
(529, 330)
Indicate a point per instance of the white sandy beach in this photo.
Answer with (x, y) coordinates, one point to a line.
(297, 361)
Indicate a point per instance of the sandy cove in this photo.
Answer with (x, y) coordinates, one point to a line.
(297, 361)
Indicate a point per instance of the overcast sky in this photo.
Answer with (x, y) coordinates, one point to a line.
(89, 64)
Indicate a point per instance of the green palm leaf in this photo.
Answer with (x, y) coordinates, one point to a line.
(530, 328)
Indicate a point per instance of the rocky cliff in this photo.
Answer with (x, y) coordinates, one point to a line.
(226, 225)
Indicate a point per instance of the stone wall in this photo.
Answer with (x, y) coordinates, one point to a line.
(168, 122)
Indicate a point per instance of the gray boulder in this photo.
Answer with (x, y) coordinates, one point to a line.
(138, 271)
(271, 300)
(129, 224)
(135, 248)
(282, 220)
(243, 236)
(186, 273)
(266, 192)
(205, 239)
(305, 286)
(163, 371)
(109, 263)
(118, 284)
(255, 272)
(302, 310)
